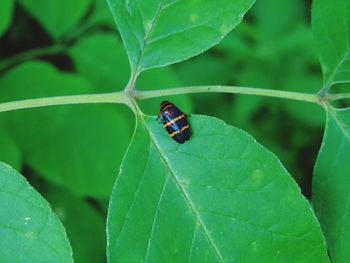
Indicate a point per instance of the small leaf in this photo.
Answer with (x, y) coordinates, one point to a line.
(331, 28)
(331, 184)
(56, 16)
(79, 147)
(158, 32)
(29, 230)
(220, 197)
(6, 12)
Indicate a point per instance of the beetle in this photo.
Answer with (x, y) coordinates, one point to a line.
(174, 121)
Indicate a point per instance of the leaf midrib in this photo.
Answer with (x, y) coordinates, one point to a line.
(147, 35)
(330, 80)
(339, 122)
(347, 135)
(184, 193)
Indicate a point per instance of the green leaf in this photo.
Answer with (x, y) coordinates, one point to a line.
(29, 230)
(10, 153)
(85, 227)
(331, 28)
(6, 12)
(79, 147)
(221, 197)
(101, 14)
(331, 185)
(101, 58)
(56, 16)
(158, 33)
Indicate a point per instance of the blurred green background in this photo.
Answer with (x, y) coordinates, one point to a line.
(71, 154)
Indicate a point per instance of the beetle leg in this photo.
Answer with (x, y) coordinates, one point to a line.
(187, 115)
(157, 119)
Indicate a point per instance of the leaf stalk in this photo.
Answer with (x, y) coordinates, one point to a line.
(313, 98)
(115, 97)
(31, 54)
(129, 97)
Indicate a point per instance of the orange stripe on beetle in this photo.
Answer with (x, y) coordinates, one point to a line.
(174, 120)
(166, 107)
(177, 132)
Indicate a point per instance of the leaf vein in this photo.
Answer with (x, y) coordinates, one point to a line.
(185, 195)
(155, 217)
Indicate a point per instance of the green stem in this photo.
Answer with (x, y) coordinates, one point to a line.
(116, 97)
(131, 84)
(59, 47)
(313, 98)
(30, 54)
(340, 96)
(128, 98)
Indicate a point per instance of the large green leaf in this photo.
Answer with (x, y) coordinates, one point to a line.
(162, 32)
(29, 230)
(85, 227)
(56, 16)
(6, 12)
(331, 27)
(221, 197)
(331, 184)
(79, 147)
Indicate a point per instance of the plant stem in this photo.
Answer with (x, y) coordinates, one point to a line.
(125, 97)
(313, 98)
(116, 97)
(30, 54)
(333, 97)
(131, 84)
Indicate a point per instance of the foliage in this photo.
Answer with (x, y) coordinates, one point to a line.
(220, 197)
(29, 229)
(181, 222)
(331, 184)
